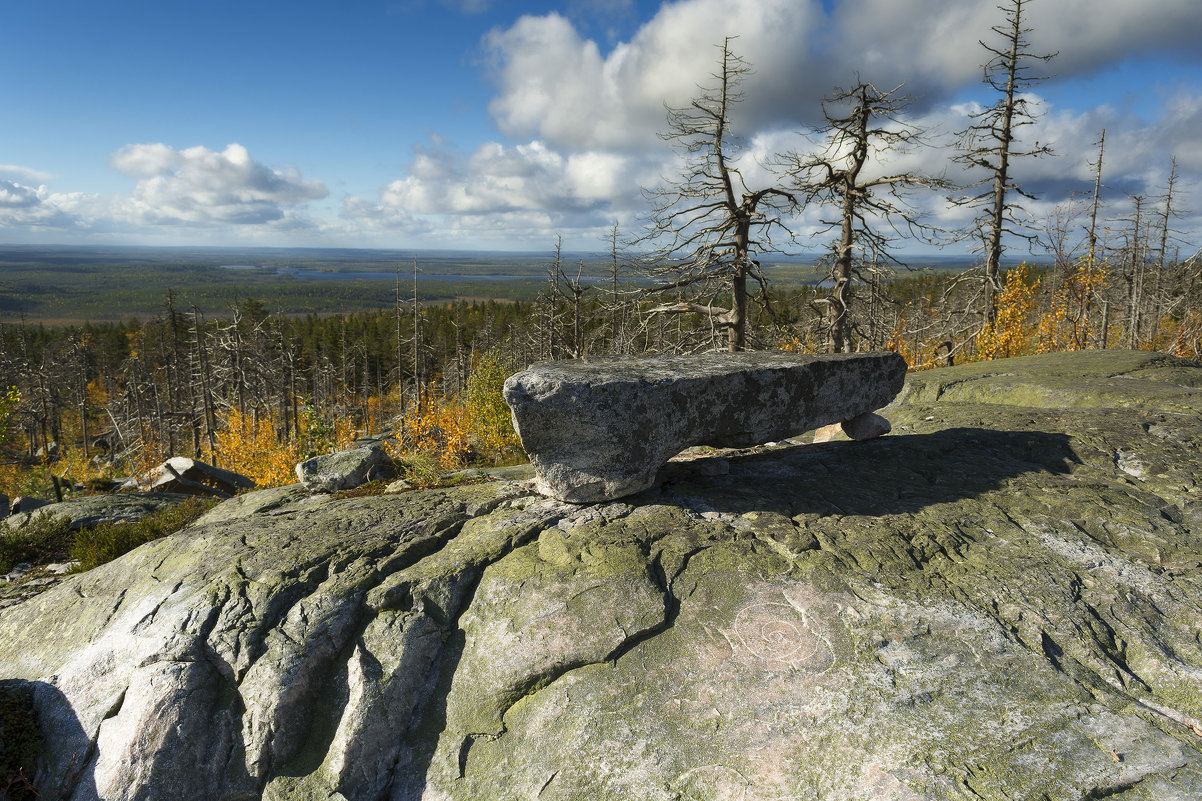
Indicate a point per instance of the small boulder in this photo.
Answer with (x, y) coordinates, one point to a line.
(866, 426)
(861, 427)
(342, 470)
(49, 451)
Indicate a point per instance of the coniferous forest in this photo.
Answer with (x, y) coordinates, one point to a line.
(256, 391)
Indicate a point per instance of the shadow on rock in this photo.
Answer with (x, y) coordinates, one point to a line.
(897, 474)
(44, 751)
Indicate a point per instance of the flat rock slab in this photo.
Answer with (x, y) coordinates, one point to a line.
(600, 429)
(92, 510)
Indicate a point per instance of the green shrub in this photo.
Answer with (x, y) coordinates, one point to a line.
(420, 469)
(42, 540)
(491, 423)
(104, 543)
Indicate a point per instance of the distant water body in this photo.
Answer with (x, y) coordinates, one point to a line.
(325, 275)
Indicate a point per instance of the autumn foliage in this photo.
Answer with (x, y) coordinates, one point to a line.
(259, 393)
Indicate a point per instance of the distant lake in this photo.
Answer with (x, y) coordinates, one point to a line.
(326, 275)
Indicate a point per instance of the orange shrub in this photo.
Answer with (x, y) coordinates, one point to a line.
(255, 450)
(439, 427)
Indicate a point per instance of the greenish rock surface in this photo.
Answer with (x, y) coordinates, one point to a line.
(1000, 600)
(92, 510)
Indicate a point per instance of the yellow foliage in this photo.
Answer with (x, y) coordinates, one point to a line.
(438, 427)
(97, 394)
(1011, 333)
(75, 466)
(796, 344)
(13, 479)
(151, 454)
(490, 424)
(447, 428)
(10, 399)
(1066, 325)
(255, 450)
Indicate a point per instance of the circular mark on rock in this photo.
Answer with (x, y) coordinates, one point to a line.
(777, 632)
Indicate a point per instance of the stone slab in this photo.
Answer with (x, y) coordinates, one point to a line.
(601, 428)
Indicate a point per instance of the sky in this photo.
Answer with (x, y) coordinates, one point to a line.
(502, 125)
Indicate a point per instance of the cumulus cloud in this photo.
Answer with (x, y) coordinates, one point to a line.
(557, 86)
(527, 191)
(530, 176)
(15, 195)
(506, 196)
(194, 187)
(198, 185)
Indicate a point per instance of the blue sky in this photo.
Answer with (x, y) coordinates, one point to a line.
(499, 125)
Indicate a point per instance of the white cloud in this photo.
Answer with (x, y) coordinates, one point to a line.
(15, 173)
(201, 186)
(520, 195)
(195, 187)
(556, 86)
(528, 177)
(934, 45)
(141, 161)
(525, 194)
(15, 195)
(1180, 132)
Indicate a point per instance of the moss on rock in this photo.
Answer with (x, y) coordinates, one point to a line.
(1000, 600)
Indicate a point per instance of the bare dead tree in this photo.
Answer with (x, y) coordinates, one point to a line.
(1134, 266)
(1097, 196)
(398, 319)
(706, 226)
(1166, 216)
(991, 144)
(547, 315)
(571, 291)
(620, 340)
(862, 130)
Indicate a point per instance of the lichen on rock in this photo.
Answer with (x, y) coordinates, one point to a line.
(1000, 600)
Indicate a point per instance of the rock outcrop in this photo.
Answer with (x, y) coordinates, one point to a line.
(92, 510)
(600, 429)
(1001, 600)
